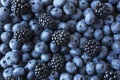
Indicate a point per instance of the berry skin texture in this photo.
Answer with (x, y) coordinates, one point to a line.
(66, 76)
(110, 75)
(60, 37)
(57, 63)
(23, 35)
(41, 70)
(101, 10)
(92, 47)
(46, 21)
(20, 7)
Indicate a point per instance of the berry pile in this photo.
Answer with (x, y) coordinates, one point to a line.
(59, 39)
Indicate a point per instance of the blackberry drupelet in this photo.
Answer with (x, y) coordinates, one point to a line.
(110, 75)
(101, 10)
(57, 63)
(42, 70)
(20, 7)
(23, 35)
(92, 47)
(60, 37)
(46, 21)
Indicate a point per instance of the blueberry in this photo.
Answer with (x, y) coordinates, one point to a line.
(89, 33)
(79, 77)
(93, 3)
(46, 57)
(15, 18)
(63, 25)
(82, 70)
(16, 27)
(69, 8)
(104, 51)
(65, 76)
(53, 47)
(98, 23)
(68, 57)
(101, 67)
(6, 3)
(74, 41)
(4, 13)
(14, 44)
(83, 4)
(31, 64)
(78, 61)
(46, 35)
(116, 37)
(54, 75)
(64, 49)
(116, 64)
(33, 22)
(86, 58)
(35, 54)
(47, 2)
(90, 68)
(75, 52)
(111, 56)
(8, 27)
(27, 47)
(116, 47)
(118, 6)
(82, 41)
(113, 1)
(107, 40)
(3, 63)
(8, 72)
(27, 17)
(98, 34)
(87, 11)
(107, 30)
(71, 24)
(118, 17)
(77, 15)
(95, 78)
(6, 37)
(59, 3)
(109, 19)
(30, 75)
(115, 27)
(26, 57)
(19, 71)
(41, 47)
(90, 18)
(81, 26)
(4, 48)
(75, 2)
(56, 13)
(36, 6)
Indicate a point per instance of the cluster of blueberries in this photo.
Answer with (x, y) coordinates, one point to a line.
(60, 40)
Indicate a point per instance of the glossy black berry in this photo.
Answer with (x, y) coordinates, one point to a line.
(42, 70)
(92, 47)
(46, 21)
(110, 75)
(101, 10)
(20, 7)
(23, 35)
(60, 37)
(57, 63)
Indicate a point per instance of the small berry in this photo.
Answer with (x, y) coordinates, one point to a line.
(92, 47)
(110, 75)
(101, 10)
(42, 70)
(57, 63)
(60, 37)
(23, 35)
(46, 21)
(20, 7)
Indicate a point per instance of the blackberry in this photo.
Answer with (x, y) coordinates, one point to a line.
(101, 10)
(57, 63)
(20, 7)
(12, 78)
(23, 35)
(92, 47)
(60, 37)
(110, 75)
(46, 21)
(42, 70)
